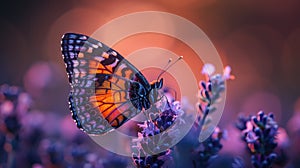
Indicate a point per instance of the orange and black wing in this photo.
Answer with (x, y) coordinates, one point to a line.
(102, 97)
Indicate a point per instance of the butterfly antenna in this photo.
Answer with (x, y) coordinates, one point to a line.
(168, 66)
(168, 63)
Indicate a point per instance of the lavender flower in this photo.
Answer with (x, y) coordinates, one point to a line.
(56, 154)
(209, 94)
(259, 133)
(154, 137)
(31, 138)
(210, 91)
(208, 150)
(115, 161)
(150, 161)
(10, 125)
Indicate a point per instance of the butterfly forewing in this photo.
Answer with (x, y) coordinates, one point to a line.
(103, 84)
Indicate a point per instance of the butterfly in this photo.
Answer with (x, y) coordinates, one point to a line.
(107, 90)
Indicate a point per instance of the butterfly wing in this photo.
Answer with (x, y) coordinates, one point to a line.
(107, 90)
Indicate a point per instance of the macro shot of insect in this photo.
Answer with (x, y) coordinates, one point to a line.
(107, 90)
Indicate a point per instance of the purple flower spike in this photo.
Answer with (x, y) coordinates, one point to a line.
(259, 133)
(153, 137)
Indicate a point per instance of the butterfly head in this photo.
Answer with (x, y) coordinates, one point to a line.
(157, 84)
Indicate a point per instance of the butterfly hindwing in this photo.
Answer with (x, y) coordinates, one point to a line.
(107, 90)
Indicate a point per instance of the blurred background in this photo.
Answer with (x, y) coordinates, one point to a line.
(260, 40)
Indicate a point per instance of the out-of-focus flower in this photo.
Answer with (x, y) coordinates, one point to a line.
(282, 149)
(12, 124)
(227, 73)
(55, 154)
(208, 150)
(9, 124)
(192, 152)
(35, 138)
(210, 92)
(24, 103)
(151, 161)
(242, 123)
(251, 137)
(260, 138)
(10, 93)
(7, 108)
(115, 161)
(208, 69)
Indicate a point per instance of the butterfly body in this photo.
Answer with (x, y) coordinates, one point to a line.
(107, 90)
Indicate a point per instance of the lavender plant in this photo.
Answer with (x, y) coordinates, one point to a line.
(210, 91)
(208, 150)
(13, 104)
(39, 148)
(154, 137)
(209, 94)
(26, 142)
(202, 153)
(259, 133)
